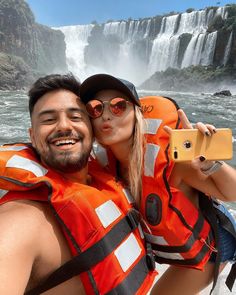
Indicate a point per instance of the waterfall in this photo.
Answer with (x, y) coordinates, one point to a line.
(209, 49)
(136, 49)
(115, 28)
(76, 38)
(227, 49)
(200, 50)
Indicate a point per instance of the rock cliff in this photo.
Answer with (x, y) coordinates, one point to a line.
(27, 49)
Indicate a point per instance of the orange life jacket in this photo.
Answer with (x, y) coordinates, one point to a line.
(102, 229)
(178, 232)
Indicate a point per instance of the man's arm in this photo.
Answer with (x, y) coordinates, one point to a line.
(19, 227)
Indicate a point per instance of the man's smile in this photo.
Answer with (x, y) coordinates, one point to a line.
(65, 143)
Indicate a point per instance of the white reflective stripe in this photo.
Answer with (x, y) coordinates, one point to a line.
(107, 213)
(150, 159)
(128, 252)
(128, 196)
(3, 193)
(169, 255)
(159, 240)
(26, 164)
(12, 148)
(100, 154)
(153, 125)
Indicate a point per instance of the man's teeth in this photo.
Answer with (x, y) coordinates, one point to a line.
(65, 141)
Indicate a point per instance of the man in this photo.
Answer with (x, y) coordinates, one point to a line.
(32, 243)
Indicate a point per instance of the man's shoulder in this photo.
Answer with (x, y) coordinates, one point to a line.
(23, 209)
(22, 220)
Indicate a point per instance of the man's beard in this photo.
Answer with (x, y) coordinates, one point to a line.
(66, 161)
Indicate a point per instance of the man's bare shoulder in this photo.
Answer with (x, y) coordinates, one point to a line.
(20, 226)
(31, 240)
(22, 218)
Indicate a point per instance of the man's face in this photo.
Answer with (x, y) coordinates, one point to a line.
(61, 131)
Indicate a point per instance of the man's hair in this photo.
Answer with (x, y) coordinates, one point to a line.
(49, 83)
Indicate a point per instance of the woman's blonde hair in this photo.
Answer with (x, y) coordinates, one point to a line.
(135, 169)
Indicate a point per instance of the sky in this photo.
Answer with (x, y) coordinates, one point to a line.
(79, 12)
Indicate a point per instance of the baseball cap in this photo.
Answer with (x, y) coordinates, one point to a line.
(98, 82)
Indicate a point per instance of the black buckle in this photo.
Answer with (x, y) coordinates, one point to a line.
(150, 257)
(133, 217)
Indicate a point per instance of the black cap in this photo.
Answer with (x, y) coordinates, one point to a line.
(98, 82)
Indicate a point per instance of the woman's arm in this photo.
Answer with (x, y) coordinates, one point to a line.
(220, 184)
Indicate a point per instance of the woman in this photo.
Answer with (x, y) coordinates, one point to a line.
(114, 108)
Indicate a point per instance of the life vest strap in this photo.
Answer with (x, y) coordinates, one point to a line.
(133, 281)
(188, 262)
(182, 248)
(93, 255)
(231, 277)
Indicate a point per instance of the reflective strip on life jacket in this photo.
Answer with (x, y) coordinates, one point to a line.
(100, 153)
(128, 252)
(150, 157)
(152, 125)
(3, 193)
(26, 164)
(13, 148)
(108, 213)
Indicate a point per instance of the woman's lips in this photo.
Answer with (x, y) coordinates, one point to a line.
(106, 128)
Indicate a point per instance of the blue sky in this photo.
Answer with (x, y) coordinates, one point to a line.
(72, 12)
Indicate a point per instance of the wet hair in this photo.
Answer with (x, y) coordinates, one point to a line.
(50, 83)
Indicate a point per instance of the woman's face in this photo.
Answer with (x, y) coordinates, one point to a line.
(110, 129)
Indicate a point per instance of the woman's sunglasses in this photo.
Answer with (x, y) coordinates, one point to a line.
(117, 106)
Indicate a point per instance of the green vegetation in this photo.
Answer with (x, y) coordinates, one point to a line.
(194, 78)
(189, 10)
(230, 23)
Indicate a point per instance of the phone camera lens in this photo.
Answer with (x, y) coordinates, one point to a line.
(187, 144)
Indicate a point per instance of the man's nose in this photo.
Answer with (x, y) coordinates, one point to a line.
(64, 123)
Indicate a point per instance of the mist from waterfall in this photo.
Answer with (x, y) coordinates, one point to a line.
(136, 49)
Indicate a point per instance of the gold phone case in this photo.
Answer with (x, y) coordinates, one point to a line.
(187, 144)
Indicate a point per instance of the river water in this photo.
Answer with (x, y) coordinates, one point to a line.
(220, 111)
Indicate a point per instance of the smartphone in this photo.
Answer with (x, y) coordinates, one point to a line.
(187, 144)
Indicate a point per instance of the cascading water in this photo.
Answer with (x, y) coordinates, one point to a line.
(200, 49)
(136, 49)
(227, 49)
(76, 38)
